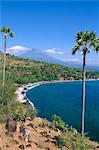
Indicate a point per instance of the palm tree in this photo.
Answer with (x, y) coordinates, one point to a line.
(7, 32)
(85, 40)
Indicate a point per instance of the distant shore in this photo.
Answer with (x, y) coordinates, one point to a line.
(21, 91)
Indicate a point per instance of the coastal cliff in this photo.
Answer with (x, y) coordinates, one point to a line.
(43, 136)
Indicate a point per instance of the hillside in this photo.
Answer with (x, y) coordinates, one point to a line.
(43, 136)
(23, 71)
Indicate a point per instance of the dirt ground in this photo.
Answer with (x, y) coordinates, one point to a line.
(42, 137)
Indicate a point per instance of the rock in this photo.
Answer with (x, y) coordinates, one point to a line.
(31, 125)
(21, 146)
(20, 137)
(34, 146)
(14, 141)
(10, 134)
(47, 148)
(7, 145)
(11, 125)
(28, 145)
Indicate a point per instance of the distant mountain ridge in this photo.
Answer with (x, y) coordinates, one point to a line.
(40, 55)
(36, 54)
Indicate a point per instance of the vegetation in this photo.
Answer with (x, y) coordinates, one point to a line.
(69, 137)
(59, 123)
(9, 107)
(23, 71)
(7, 32)
(60, 142)
(83, 42)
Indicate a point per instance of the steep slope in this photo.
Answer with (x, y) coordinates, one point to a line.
(42, 137)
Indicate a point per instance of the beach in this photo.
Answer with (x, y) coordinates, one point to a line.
(21, 91)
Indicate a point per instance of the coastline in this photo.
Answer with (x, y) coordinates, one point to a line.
(21, 91)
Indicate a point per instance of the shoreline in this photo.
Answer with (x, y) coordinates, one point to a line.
(21, 91)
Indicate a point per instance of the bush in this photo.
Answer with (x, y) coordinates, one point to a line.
(60, 142)
(59, 123)
(22, 112)
(33, 113)
(73, 130)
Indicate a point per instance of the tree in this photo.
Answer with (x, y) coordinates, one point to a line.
(7, 32)
(84, 41)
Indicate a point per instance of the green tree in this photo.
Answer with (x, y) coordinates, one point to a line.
(85, 40)
(7, 32)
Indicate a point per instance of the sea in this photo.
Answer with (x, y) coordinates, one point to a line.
(65, 100)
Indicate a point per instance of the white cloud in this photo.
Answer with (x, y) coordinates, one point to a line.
(17, 49)
(54, 51)
(71, 59)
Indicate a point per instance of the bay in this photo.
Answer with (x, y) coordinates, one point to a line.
(65, 100)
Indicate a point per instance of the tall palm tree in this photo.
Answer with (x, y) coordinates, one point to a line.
(84, 41)
(7, 32)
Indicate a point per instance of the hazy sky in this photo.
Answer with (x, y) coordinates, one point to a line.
(50, 26)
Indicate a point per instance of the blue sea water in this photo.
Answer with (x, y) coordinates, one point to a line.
(64, 99)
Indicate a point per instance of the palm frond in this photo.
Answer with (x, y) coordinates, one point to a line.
(95, 44)
(5, 30)
(12, 34)
(86, 37)
(84, 40)
(96, 48)
(79, 36)
(75, 49)
(92, 35)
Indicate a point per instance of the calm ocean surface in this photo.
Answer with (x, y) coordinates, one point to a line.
(64, 99)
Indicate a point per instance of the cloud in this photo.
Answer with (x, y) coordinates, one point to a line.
(71, 59)
(17, 49)
(54, 51)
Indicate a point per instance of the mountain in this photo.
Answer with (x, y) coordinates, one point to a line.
(52, 55)
(39, 55)
(36, 54)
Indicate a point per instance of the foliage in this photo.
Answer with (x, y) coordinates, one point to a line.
(70, 137)
(85, 40)
(23, 71)
(12, 108)
(60, 142)
(33, 113)
(7, 97)
(22, 112)
(76, 142)
(58, 122)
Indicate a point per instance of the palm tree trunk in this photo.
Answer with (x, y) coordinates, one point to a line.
(83, 95)
(4, 61)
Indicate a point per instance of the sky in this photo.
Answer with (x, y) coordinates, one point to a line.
(49, 26)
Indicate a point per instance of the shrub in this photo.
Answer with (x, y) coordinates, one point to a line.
(73, 130)
(58, 122)
(20, 111)
(60, 142)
